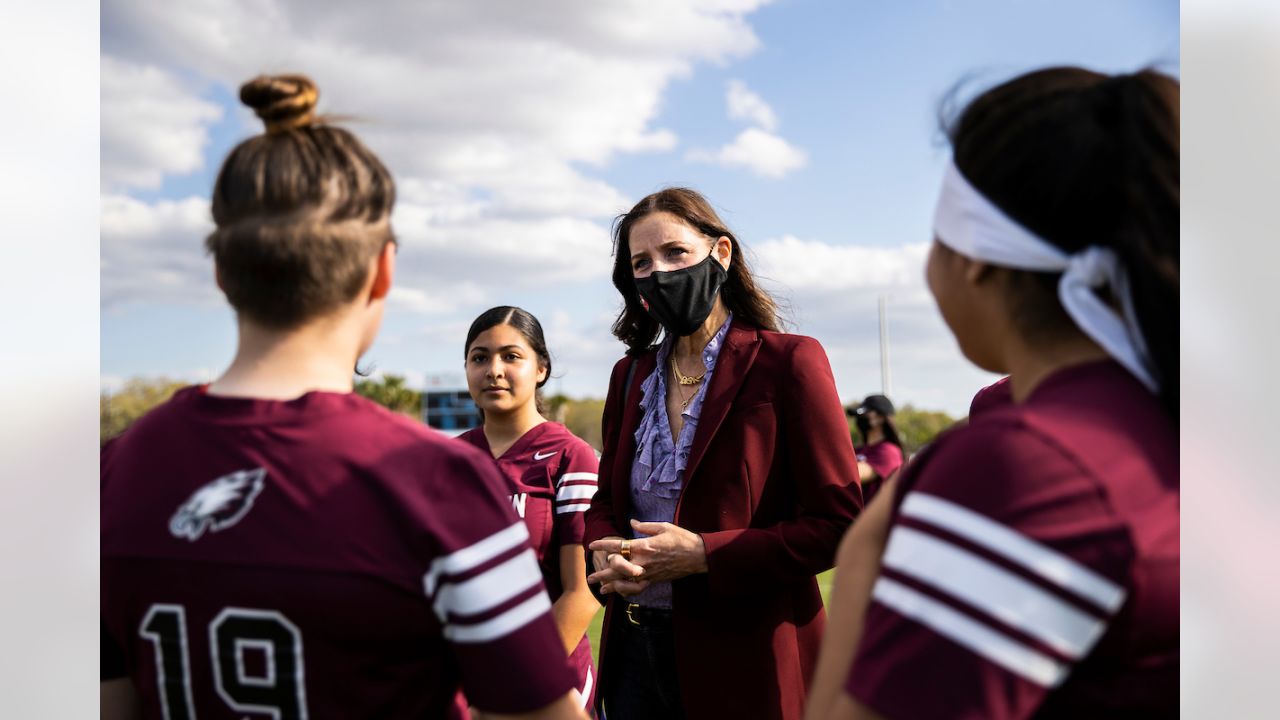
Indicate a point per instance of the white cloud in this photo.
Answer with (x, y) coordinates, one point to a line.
(492, 116)
(834, 290)
(582, 346)
(152, 250)
(501, 251)
(820, 267)
(746, 105)
(493, 89)
(432, 301)
(758, 151)
(152, 125)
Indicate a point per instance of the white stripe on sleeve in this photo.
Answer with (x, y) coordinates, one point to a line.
(572, 508)
(575, 492)
(1013, 600)
(1001, 540)
(490, 588)
(577, 476)
(997, 647)
(501, 625)
(468, 557)
(585, 693)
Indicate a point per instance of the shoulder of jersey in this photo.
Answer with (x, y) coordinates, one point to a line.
(404, 422)
(469, 437)
(981, 446)
(159, 415)
(562, 439)
(420, 437)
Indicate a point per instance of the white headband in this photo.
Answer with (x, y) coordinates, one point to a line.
(968, 223)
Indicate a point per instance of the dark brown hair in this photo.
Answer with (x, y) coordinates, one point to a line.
(300, 210)
(1081, 159)
(740, 294)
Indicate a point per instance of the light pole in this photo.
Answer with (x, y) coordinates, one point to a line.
(885, 381)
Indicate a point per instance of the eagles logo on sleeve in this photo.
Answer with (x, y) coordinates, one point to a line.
(217, 505)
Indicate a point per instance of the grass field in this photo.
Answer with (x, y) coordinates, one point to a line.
(824, 585)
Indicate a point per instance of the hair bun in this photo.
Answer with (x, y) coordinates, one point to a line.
(283, 102)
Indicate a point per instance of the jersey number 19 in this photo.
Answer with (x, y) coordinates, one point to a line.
(278, 692)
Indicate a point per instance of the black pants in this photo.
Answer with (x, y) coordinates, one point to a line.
(643, 684)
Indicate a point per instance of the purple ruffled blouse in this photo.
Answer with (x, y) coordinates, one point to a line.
(657, 473)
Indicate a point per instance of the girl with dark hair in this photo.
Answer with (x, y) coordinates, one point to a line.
(273, 543)
(727, 479)
(550, 471)
(880, 453)
(1027, 564)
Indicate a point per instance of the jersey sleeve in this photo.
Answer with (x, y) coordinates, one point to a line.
(575, 486)
(486, 589)
(1002, 570)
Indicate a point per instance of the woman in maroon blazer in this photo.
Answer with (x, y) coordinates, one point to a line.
(727, 479)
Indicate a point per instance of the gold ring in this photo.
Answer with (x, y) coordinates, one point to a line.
(625, 549)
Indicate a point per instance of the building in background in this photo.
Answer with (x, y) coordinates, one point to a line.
(447, 408)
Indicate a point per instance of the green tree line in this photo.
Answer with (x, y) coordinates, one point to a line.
(120, 408)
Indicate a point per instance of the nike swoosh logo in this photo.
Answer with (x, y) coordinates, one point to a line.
(540, 456)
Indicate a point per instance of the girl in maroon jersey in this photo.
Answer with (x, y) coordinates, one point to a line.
(1027, 564)
(275, 544)
(552, 472)
(880, 453)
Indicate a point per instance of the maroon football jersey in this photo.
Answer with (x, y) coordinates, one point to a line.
(320, 557)
(996, 395)
(552, 476)
(1032, 563)
(884, 458)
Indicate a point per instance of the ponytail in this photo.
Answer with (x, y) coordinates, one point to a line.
(1084, 159)
(1148, 241)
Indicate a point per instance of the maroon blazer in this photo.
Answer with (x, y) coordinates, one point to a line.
(771, 486)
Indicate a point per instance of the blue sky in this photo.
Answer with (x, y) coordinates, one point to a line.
(517, 132)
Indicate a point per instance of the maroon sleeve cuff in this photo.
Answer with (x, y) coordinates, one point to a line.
(522, 672)
(570, 528)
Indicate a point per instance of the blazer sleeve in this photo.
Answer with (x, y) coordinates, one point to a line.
(601, 519)
(815, 440)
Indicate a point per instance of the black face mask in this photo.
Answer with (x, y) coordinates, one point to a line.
(864, 424)
(680, 300)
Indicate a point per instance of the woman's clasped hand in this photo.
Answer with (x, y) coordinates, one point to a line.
(668, 552)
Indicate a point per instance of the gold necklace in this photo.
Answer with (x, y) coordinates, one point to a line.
(684, 401)
(681, 377)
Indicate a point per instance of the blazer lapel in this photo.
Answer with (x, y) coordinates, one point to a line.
(631, 417)
(740, 347)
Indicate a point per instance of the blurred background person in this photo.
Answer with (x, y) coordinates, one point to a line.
(273, 543)
(551, 472)
(727, 479)
(880, 453)
(1027, 564)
